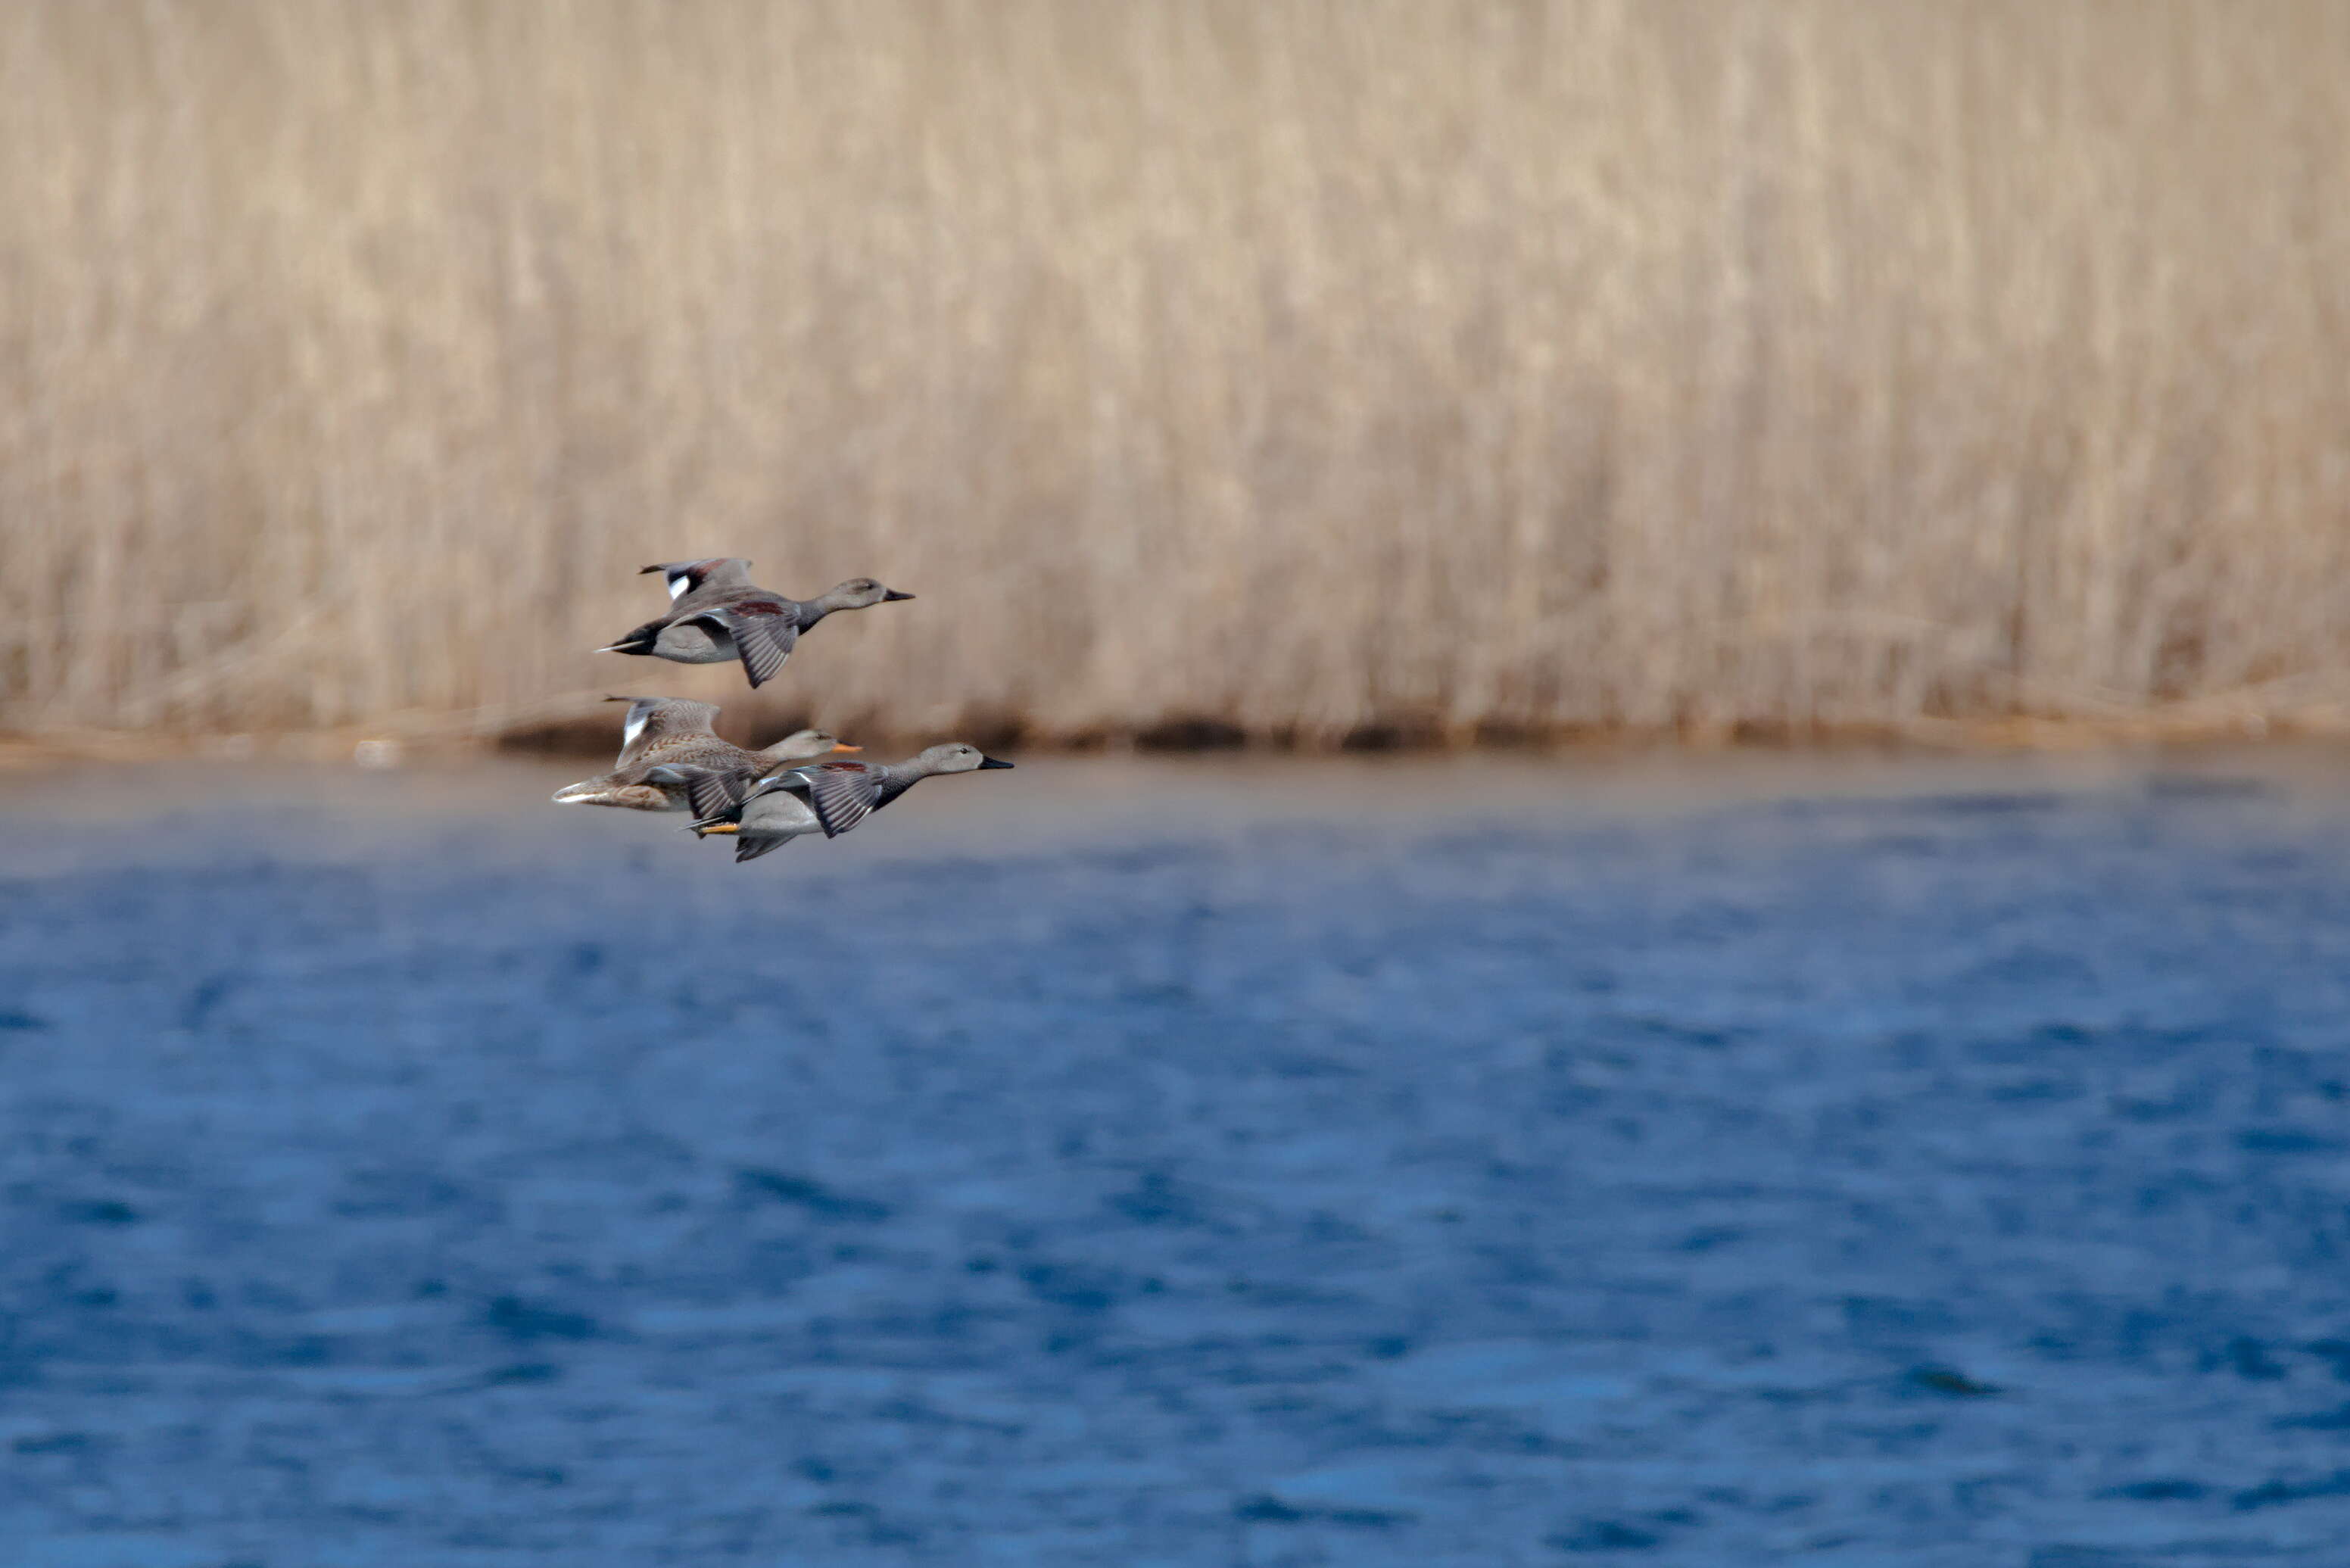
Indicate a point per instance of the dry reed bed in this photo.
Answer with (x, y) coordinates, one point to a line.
(1307, 368)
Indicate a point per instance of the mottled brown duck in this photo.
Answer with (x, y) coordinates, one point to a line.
(668, 731)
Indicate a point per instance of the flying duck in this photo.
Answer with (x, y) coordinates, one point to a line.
(826, 797)
(667, 731)
(717, 614)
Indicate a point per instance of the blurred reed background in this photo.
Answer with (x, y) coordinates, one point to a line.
(1316, 370)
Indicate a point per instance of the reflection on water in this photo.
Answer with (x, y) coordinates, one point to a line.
(1466, 1164)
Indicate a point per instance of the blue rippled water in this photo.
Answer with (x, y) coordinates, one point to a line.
(1105, 1164)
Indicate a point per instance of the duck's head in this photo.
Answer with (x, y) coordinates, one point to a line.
(803, 744)
(957, 757)
(860, 593)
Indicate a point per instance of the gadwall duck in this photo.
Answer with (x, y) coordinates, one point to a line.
(717, 614)
(830, 798)
(666, 731)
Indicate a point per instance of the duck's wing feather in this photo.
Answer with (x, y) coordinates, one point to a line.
(763, 631)
(712, 572)
(655, 720)
(750, 848)
(842, 795)
(713, 794)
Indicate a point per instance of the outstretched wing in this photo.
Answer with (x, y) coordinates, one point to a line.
(841, 794)
(713, 795)
(750, 848)
(653, 719)
(763, 631)
(712, 572)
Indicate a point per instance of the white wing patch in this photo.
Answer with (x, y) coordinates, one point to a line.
(678, 584)
(636, 727)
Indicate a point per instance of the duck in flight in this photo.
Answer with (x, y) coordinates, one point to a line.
(828, 797)
(716, 613)
(667, 731)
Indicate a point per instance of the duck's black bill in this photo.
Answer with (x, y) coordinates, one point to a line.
(987, 763)
(889, 594)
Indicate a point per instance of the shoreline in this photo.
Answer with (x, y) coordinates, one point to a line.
(396, 743)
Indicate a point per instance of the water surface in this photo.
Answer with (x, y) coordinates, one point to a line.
(1855, 1160)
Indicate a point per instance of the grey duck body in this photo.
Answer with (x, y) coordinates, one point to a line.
(829, 797)
(717, 613)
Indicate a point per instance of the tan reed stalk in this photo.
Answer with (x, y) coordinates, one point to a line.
(1308, 367)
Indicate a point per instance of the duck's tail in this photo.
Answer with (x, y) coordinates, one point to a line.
(638, 641)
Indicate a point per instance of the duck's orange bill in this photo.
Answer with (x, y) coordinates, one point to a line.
(838, 746)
